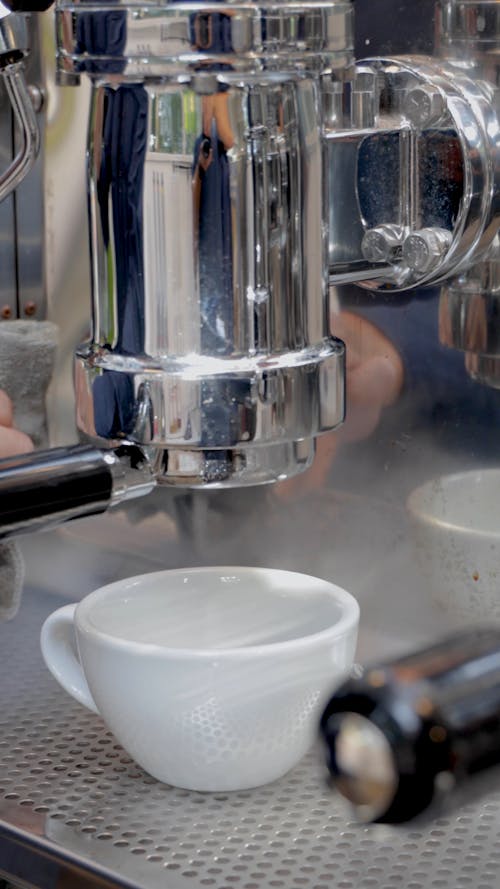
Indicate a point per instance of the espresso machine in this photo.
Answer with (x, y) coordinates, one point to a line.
(282, 200)
(231, 162)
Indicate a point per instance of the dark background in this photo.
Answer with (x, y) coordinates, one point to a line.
(393, 28)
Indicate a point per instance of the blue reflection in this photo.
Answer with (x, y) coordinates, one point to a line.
(211, 185)
(119, 192)
(120, 186)
(101, 34)
(211, 32)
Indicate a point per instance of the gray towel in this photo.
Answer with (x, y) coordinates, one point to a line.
(27, 353)
(11, 578)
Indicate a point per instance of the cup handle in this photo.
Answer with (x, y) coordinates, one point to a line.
(58, 644)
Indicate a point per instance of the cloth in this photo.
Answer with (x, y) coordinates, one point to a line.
(27, 354)
(11, 579)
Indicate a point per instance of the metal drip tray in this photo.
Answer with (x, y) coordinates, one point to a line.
(76, 812)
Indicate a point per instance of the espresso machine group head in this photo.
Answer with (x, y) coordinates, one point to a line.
(239, 163)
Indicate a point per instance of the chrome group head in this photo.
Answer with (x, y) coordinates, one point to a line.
(239, 162)
(208, 216)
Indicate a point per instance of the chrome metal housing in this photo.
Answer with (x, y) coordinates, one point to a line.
(469, 313)
(210, 334)
(423, 164)
(235, 156)
(13, 48)
(177, 40)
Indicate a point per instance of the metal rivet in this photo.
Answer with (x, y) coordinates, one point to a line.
(6, 312)
(37, 97)
(30, 308)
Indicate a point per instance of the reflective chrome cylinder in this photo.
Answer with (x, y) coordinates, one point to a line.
(469, 36)
(210, 338)
(469, 31)
(469, 314)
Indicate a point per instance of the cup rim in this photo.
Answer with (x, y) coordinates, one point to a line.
(347, 622)
(426, 517)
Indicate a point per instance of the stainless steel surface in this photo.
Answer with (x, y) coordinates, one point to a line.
(8, 283)
(13, 37)
(438, 422)
(165, 40)
(132, 473)
(210, 326)
(24, 116)
(470, 29)
(71, 798)
(427, 115)
(205, 321)
(484, 368)
(468, 319)
(23, 279)
(238, 467)
(30, 196)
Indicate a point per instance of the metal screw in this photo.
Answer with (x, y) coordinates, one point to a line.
(382, 243)
(424, 106)
(30, 308)
(424, 250)
(6, 312)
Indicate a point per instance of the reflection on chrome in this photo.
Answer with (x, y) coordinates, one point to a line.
(13, 48)
(231, 159)
(210, 336)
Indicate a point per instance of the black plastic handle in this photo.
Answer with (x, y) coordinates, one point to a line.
(28, 5)
(44, 488)
(436, 714)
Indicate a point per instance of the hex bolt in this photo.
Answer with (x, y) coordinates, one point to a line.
(424, 106)
(6, 312)
(383, 243)
(30, 308)
(424, 250)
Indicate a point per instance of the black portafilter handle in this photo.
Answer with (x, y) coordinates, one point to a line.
(420, 734)
(28, 5)
(44, 488)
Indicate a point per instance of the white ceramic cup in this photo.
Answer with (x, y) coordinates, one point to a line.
(456, 522)
(212, 679)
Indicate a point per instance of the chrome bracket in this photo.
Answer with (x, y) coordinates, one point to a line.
(413, 168)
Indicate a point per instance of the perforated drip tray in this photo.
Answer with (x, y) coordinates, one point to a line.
(70, 798)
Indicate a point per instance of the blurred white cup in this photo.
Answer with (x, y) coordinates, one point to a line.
(212, 679)
(456, 522)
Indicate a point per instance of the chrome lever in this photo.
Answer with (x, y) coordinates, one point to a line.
(12, 51)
